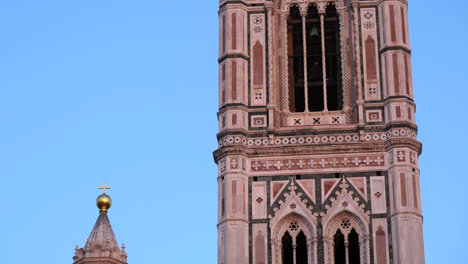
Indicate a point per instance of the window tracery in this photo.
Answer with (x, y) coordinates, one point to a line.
(312, 47)
(293, 241)
(346, 240)
(314, 59)
(346, 244)
(294, 246)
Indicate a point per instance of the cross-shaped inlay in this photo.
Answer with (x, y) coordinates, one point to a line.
(401, 156)
(234, 163)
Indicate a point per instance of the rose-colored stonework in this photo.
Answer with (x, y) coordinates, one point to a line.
(296, 184)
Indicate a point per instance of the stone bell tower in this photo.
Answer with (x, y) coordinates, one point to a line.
(317, 150)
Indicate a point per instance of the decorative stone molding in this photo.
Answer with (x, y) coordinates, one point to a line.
(293, 215)
(346, 210)
(240, 140)
(344, 201)
(294, 202)
(337, 162)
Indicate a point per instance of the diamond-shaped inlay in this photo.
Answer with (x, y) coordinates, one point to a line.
(368, 15)
(378, 194)
(259, 200)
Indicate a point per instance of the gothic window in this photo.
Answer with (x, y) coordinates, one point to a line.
(294, 246)
(287, 246)
(340, 252)
(301, 248)
(353, 247)
(346, 244)
(314, 60)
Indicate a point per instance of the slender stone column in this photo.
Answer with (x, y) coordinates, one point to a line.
(304, 43)
(294, 246)
(324, 62)
(346, 243)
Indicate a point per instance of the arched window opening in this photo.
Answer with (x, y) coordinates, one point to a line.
(292, 240)
(301, 248)
(287, 246)
(346, 244)
(314, 60)
(333, 59)
(296, 61)
(353, 247)
(340, 251)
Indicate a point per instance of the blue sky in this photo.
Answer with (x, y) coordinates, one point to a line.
(126, 92)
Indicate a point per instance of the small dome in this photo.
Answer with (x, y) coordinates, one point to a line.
(103, 202)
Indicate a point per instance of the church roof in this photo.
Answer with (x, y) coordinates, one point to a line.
(101, 246)
(102, 234)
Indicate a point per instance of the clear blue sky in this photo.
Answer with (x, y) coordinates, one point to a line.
(126, 92)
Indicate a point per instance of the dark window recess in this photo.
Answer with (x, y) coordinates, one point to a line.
(340, 250)
(315, 82)
(301, 248)
(333, 60)
(287, 249)
(314, 60)
(353, 247)
(296, 60)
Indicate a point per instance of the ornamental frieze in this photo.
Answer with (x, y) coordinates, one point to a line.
(240, 140)
(337, 162)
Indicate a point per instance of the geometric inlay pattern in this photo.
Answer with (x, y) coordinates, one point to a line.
(319, 163)
(240, 140)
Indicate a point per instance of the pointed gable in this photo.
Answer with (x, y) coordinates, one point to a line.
(102, 234)
(101, 246)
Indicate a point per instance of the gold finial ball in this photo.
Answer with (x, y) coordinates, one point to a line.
(103, 202)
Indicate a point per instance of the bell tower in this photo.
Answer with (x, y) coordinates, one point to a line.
(317, 150)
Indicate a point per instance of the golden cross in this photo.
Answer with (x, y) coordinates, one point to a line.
(104, 188)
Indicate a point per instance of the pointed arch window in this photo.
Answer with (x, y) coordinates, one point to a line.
(346, 244)
(287, 246)
(301, 249)
(314, 60)
(294, 246)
